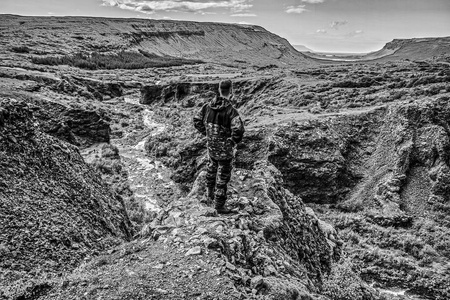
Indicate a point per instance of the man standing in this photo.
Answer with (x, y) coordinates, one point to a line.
(223, 127)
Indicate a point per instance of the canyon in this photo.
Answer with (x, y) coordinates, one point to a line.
(340, 185)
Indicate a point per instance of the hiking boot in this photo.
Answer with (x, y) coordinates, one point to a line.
(221, 198)
(223, 210)
(210, 196)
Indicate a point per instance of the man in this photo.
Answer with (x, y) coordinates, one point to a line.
(223, 127)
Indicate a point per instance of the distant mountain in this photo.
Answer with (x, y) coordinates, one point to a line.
(214, 42)
(398, 49)
(302, 48)
(415, 49)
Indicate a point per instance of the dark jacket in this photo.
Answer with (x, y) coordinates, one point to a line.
(222, 125)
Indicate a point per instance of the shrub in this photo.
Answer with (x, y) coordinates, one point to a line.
(102, 166)
(109, 150)
(21, 49)
(344, 283)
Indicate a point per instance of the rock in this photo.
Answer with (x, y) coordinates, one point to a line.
(201, 231)
(161, 291)
(269, 270)
(230, 266)
(197, 250)
(4, 250)
(158, 266)
(326, 228)
(256, 281)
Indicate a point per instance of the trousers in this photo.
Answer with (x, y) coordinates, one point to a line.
(218, 175)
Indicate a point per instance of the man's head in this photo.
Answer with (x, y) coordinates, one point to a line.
(225, 88)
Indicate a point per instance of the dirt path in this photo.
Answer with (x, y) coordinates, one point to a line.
(144, 270)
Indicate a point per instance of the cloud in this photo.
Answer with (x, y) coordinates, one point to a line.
(313, 1)
(152, 6)
(245, 24)
(243, 15)
(296, 9)
(355, 33)
(337, 24)
(322, 31)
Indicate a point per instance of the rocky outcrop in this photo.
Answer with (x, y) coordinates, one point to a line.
(322, 160)
(272, 244)
(163, 93)
(389, 165)
(75, 123)
(54, 209)
(190, 94)
(78, 126)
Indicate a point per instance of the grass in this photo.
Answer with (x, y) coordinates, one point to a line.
(121, 60)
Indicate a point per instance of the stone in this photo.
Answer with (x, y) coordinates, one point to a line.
(256, 281)
(201, 231)
(158, 266)
(230, 266)
(197, 250)
(161, 291)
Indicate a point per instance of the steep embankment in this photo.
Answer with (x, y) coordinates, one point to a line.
(214, 42)
(54, 209)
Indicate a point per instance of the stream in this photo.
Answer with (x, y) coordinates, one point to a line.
(148, 178)
(398, 293)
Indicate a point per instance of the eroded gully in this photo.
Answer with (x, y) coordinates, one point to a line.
(148, 178)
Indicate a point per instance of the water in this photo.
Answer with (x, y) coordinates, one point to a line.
(146, 176)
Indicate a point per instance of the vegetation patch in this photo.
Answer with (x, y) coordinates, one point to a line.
(21, 49)
(121, 60)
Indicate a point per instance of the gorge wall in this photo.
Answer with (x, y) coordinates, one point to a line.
(54, 209)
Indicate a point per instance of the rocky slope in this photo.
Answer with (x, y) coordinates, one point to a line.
(55, 210)
(246, 44)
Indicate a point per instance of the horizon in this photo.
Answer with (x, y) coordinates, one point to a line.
(324, 26)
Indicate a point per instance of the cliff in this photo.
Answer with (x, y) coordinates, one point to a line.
(228, 44)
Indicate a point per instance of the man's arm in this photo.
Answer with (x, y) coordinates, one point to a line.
(237, 128)
(198, 120)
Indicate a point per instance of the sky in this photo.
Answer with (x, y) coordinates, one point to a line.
(348, 26)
